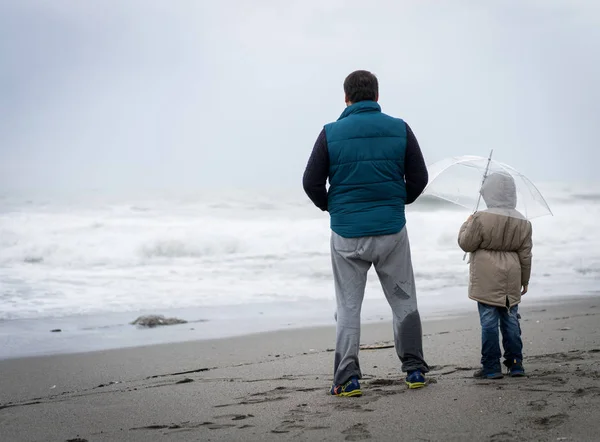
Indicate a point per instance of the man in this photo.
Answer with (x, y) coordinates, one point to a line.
(375, 167)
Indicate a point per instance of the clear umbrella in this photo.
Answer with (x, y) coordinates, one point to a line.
(479, 183)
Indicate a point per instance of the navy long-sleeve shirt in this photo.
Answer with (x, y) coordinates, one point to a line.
(317, 170)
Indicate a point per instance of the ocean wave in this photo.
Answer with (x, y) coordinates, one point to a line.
(591, 271)
(77, 258)
(174, 248)
(586, 197)
(140, 209)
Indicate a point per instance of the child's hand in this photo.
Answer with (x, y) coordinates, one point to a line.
(525, 287)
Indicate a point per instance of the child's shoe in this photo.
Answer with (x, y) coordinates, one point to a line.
(482, 373)
(516, 369)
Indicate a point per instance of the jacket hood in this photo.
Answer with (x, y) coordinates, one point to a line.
(499, 191)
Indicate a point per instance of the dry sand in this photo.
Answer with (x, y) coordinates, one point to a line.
(273, 386)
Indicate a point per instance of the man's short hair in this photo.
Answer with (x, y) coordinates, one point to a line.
(361, 86)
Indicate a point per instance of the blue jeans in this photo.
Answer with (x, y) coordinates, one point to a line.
(490, 316)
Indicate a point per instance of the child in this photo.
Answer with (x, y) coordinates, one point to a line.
(499, 240)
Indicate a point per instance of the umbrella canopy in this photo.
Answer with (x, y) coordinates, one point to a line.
(479, 183)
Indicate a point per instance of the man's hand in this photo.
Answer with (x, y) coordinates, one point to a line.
(525, 288)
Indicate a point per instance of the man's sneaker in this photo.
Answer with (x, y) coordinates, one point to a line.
(349, 389)
(415, 379)
(485, 374)
(516, 369)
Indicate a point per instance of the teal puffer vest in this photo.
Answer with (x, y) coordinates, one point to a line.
(367, 192)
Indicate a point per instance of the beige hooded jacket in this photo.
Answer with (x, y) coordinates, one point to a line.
(500, 242)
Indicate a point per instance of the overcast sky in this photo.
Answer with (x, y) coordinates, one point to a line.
(139, 93)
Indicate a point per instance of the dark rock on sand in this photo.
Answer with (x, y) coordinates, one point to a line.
(156, 320)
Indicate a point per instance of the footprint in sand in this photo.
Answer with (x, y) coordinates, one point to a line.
(287, 426)
(504, 436)
(386, 382)
(276, 394)
(298, 419)
(538, 405)
(349, 406)
(234, 417)
(581, 392)
(214, 426)
(552, 421)
(185, 426)
(357, 432)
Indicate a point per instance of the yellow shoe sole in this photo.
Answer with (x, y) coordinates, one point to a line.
(354, 393)
(414, 385)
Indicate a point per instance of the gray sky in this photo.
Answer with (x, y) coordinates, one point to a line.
(137, 93)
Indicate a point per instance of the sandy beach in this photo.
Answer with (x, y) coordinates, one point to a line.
(273, 386)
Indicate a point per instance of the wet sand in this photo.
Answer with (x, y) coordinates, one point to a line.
(273, 386)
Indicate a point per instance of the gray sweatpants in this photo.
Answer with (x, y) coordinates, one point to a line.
(351, 259)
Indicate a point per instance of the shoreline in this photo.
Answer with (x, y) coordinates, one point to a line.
(27, 338)
(376, 331)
